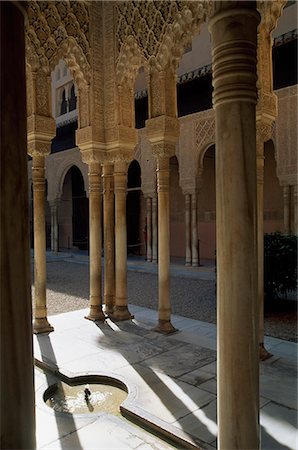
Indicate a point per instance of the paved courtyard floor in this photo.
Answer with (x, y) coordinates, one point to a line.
(171, 383)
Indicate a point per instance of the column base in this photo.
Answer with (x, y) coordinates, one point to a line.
(42, 326)
(187, 264)
(121, 313)
(109, 310)
(164, 327)
(195, 264)
(263, 353)
(96, 314)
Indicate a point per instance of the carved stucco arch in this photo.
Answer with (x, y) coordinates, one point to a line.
(56, 175)
(129, 61)
(168, 34)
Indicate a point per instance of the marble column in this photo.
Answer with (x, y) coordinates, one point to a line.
(149, 228)
(194, 231)
(287, 208)
(264, 354)
(295, 200)
(121, 311)
(17, 419)
(40, 323)
(109, 241)
(187, 231)
(154, 229)
(233, 28)
(54, 226)
(95, 244)
(163, 189)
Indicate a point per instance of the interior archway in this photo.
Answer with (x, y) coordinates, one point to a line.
(73, 214)
(207, 207)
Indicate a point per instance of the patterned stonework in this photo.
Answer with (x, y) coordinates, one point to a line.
(286, 135)
(56, 28)
(155, 32)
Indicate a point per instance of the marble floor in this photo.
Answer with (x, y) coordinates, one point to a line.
(171, 383)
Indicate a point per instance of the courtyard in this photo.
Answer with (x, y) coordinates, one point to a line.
(171, 380)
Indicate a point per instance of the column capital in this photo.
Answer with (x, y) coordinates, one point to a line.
(40, 132)
(90, 141)
(94, 175)
(263, 134)
(234, 59)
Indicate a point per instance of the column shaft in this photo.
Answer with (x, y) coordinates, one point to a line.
(17, 418)
(154, 229)
(40, 324)
(149, 229)
(164, 306)
(295, 200)
(194, 232)
(287, 208)
(187, 231)
(95, 244)
(109, 240)
(234, 36)
(121, 311)
(54, 227)
(264, 354)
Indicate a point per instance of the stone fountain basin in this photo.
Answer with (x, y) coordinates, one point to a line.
(88, 396)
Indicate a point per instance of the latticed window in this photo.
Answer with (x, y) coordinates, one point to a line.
(63, 109)
(72, 102)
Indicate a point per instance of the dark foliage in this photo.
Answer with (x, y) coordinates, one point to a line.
(280, 265)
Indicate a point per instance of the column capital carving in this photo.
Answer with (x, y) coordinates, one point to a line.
(163, 133)
(94, 175)
(263, 132)
(90, 141)
(162, 128)
(40, 132)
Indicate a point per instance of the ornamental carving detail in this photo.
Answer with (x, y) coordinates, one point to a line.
(155, 32)
(205, 132)
(56, 29)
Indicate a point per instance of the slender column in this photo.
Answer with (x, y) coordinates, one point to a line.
(95, 312)
(154, 229)
(40, 323)
(295, 200)
(287, 208)
(54, 226)
(109, 243)
(149, 229)
(233, 30)
(187, 231)
(17, 418)
(164, 305)
(194, 231)
(121, 311)
(264, 354)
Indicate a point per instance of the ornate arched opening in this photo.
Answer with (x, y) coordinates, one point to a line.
(133, 208)
(73, 213)
(207, 206)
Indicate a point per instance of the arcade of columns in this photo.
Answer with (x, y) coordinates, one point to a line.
(104, 66)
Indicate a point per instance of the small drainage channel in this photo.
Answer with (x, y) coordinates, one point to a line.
(97, 394)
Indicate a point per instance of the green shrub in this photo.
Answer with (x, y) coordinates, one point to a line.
(280, 264)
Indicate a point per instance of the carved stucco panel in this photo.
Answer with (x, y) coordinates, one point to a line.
(286, 135)
(147, 162)
(187, 155)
